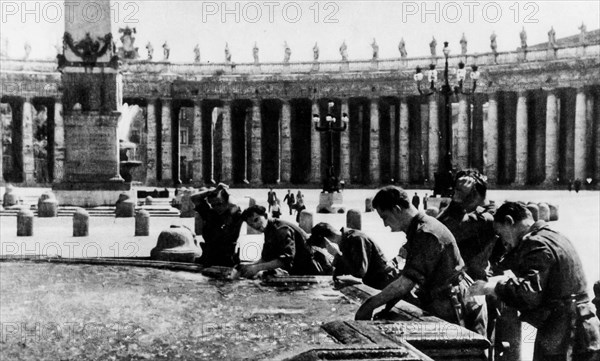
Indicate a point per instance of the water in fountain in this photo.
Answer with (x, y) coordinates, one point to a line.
(128, 159)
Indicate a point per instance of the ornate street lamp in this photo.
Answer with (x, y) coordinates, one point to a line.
(331, 181)
(444, 179)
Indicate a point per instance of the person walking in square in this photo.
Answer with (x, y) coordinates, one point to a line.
(290, 199)
(416, 201)
(271, 196)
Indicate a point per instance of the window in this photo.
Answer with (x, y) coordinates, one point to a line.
(183, 136)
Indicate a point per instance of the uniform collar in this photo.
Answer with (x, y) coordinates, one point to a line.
(414, 223)
(537, 226)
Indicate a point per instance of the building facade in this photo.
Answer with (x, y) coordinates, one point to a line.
(533, 120)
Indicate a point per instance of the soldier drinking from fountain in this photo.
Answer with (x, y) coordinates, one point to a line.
(546, 284)
(222, 223)
(355, 255)
(432, 261)
(470, 218)
(285, 246)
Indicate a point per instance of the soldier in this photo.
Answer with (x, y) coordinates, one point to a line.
(470, 218)
(432, 261)
(357, 255)
(285, 246)
(547, 286)
(222, 224)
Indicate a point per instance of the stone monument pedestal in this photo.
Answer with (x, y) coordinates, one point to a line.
(331, 203)
(91, 161)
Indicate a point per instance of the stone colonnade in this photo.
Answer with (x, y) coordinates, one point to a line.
(538, 137)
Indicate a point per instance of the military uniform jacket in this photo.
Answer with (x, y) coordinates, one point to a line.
(474, 234)
(287, 242)
(362, 258)
(548, 271)
(220, 232)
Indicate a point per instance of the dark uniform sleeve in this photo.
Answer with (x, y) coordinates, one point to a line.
(286, 246)
(524, 291)
(424, 252)
(355, 258)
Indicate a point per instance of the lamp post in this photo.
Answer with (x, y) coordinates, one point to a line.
(444, 179)
(331, 181)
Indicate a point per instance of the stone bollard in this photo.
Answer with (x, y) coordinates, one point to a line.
(148, 201)
(553, 212)
(176, 244)
(188, 208)
(544, 212)
(369, 205)
(25, 223)
(251, 202)
(10, 197)
(81, 223)
(354, 219)
(306, 221)
(432, 211)
(47, 205)
(535, 211)
(142, 223)
(125, 207)
(199, 224)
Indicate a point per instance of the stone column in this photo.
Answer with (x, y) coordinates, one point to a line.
(345, 147)
(256, 145)
(521, 140)
(490, 145)
(27, 134)
(434, 137)
(374, 168)
(403, 150)
(286, 142)
(167, 144)
(315, 149)
(151, 151)
(197, 143)
(462, 133)
(424, 116)
(59, 142)
(227, 148)
(551, 139)
(580, 135)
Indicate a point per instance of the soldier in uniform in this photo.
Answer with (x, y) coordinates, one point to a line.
(357, 255)
(433, 262)
(222, 223)
(285, 246)
(470, 218)
(546, 284)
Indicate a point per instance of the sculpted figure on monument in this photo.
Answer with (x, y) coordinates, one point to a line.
(463, 45)
(582, 34)
(432, 47)
(344, 51)
(128, 51)
(493, 43)
(166, 51)
(227, 53)
(551, 38)
(197, 53)
(27, 48)
(375, 49)
(402, 48)
(287, 54)
(523, 36)
(150, 50)
(255, 53)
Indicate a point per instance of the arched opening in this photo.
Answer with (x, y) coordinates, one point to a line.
(301, 124)
(12, 139)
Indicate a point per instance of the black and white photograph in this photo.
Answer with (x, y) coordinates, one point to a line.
(300, 180)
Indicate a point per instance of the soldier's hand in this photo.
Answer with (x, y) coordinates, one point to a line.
(464, 188)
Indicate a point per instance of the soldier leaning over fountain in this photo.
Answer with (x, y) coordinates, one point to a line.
(357, 256)
(433, 262)
(547, 286)
(285, 247)
(222, 224)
